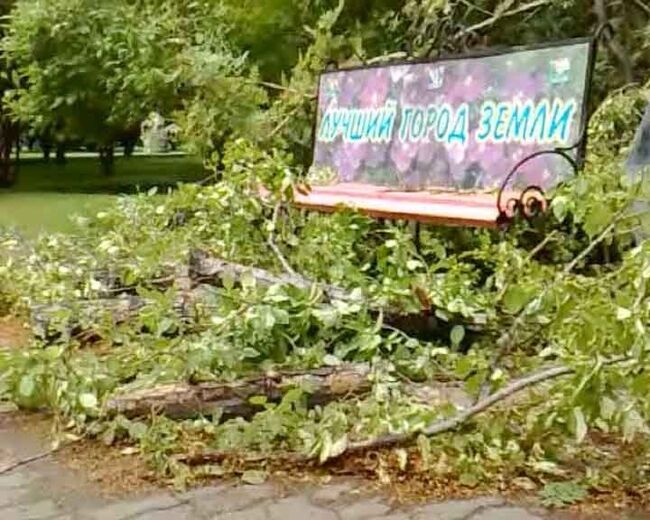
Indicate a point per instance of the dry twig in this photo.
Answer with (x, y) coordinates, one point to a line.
(24, 462)
(270, 240)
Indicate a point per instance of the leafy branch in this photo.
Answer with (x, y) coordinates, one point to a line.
(482, 405)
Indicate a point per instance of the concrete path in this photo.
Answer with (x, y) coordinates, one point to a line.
(44, 490)
(40, 492)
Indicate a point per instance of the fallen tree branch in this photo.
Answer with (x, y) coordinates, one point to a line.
(270, 240)
(499, 16)
(482, 405)
(207, 269)
(507, 339)
(395, 439)
(233, 398)
(71, 315)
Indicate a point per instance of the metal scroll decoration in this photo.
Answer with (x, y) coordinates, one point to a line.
(531, 201)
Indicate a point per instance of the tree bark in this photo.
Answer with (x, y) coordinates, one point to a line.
(233, 398)
(207, 269)
(51, 320)
(438, 427)
(613, 44)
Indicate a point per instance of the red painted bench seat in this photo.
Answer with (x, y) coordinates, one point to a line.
(436, 207)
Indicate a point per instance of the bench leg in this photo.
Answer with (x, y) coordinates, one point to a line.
(416, 229)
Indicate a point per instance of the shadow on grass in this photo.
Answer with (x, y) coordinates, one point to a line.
(46, 195)
(83, 174)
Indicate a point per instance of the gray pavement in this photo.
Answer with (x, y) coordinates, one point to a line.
(44, 490)
(40, 492)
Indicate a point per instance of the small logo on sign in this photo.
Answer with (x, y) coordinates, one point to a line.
(436, 78)
(560, 69)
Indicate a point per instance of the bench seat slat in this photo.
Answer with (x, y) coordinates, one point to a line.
(448, 208)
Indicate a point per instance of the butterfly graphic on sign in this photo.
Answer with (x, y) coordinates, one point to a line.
(332, 90)
(436, 78)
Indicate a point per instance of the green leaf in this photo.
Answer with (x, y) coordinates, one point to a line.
(468, 479)
(247, 280)
(258, 400)
(254, 477)
(623, 314)
(559, 494)
(228, 280)
(633, 423)
(607, 408)
(596, 220)
(26, 386)
(137, 430)
(424, 447)
(326, 448)
(339, 446)
(88, 400)
(515, 299)
(164, 326)
(580, 425)
(457, 334)
(412, 265)
(464, 366)
(559, 206)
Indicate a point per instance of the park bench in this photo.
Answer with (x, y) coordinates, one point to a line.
(472, 140)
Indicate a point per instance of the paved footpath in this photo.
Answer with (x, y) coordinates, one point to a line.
(43, 490)
(40, 492)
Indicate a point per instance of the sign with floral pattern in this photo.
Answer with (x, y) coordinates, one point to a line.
(458, 123)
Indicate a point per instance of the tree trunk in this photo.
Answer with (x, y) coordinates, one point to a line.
(107, 159)
(47, 151)
(232, 399)
(7, 140)
(18, 146)
(60, 153)
(129, 147)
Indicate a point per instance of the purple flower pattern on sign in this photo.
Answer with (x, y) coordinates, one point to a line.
(426, 161)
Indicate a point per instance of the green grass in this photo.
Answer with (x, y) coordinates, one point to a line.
(46, 195)
(34, 213)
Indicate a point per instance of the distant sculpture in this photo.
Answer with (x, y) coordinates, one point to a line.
(157, 135)
(638, 164)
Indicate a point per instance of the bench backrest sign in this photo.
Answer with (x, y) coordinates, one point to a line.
(457, 123)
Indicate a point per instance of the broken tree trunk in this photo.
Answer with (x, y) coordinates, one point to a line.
(51, 320)
(233, 398)
(205, 271)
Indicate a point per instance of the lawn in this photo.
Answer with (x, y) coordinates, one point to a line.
(46, 195)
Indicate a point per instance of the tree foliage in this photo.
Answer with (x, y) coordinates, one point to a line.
(91, 69)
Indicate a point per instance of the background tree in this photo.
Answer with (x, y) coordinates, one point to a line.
(8, 129)
(94, 70)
